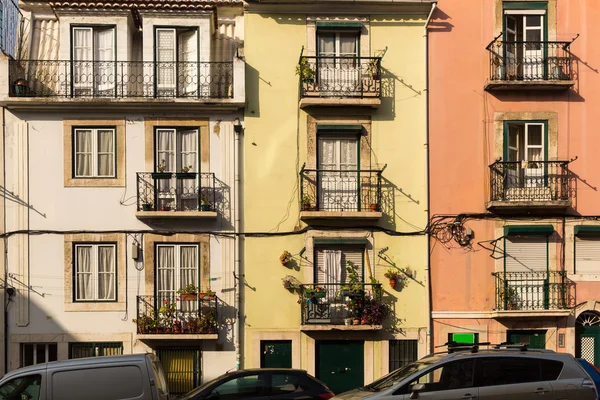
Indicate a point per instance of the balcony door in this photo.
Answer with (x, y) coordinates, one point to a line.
(177, 266)
(337, 173)
(524, 44)
(177, 152)
(338, 66)
(176, 62)
(526, 169)
(93, 66)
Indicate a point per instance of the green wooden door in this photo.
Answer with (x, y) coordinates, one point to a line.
(340, 364)
(534, 339)
(587, 342)
(276, 354)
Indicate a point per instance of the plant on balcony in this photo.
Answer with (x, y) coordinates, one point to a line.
(305, 71)
(208, 295)
(207, 322)
(314, 293)
(162, 166)
(354, 287)
(355, 309)
(500, 68)
(373, 69)
(285, 257)
(189, 292)
(147, 206)
(143, 323)
(392, 275)
(177, 327)
(290, 282)
(161, 171)
(155, 325)
(187, 169)
(374, 312)
(509, 298)
(305, 203)
(192, 324)
(204, 204)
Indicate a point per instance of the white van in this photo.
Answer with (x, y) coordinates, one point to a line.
(126, 377)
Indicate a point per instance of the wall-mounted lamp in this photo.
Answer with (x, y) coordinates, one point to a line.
(237, 125)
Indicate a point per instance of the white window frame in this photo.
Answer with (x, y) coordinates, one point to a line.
(175, 59)
(175, 282)
(95, 52)
(94, 272)
(95, 152)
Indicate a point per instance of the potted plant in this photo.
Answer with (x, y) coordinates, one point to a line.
(305, 71)
(177, 328)
(314, 293)
(392, 275)
(161, 169)
(285, 257)
(186, 172)
(208, 295)
(204, 204)
(21, 87)
(207, 322)
(188, 293)
(192, 324)
(500, 69)
(305, 203)
(166, 207)
(347, 321)
(147, 206)
(374, 69)
(509, 298)
(374, 207)
(290, 282)
(354, 287)
(154, 326)
(143, 323)
(374, 312)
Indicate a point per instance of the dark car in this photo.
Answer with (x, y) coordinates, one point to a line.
(592, 371)
(262, 383)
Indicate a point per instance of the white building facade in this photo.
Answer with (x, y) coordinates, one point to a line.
(121, 132)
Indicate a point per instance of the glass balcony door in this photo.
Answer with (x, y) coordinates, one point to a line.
(337, 174)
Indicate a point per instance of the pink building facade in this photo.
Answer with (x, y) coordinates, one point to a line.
(515, 173)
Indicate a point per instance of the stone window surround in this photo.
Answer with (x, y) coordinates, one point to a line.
(150, 240)
(121, 273)
(151, 123)
(569, 241)
(68, 129)
(62, 340)
(550, 17)
(257, 337)
(551, 117)
(365, 138)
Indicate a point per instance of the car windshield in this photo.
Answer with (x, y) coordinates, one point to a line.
(401, 373)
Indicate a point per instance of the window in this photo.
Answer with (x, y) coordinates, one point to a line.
(240, 387)
(402, 352)
(177, 150)
(81, 350)
(525, 152)
(94, 272)
(515, 370)
(332, 261)
(533, 339)
(94, 57)
(177, 61)
(276, 354)
(338, 173)
(27, 387)
(587, 249)
(181, 367)
(449, 376)
(94, 152)
(37, 353)
(338, 63)
(177, 266)
(285, 384)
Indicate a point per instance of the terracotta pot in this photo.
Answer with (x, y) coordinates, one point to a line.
(188, 296)
(393, 282)
(374, 207)
(356, 321)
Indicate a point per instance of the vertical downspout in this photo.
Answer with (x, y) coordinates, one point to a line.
(238, 279)
(429, 342)
(5, 242)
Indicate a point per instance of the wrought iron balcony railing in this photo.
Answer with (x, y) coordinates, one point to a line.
(170, 314)
(534, 181)
(334, 303)
(534, 291)
(341, 190)
(530, 61)
(169, 191)
(328, 76)
(120, 79)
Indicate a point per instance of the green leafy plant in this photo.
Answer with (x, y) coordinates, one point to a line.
(162, 166)
(304, 70)
(285, 257)
(186, 169)
(189, 289)
(510, 298)
(305, 203)
(354, 286)
(392, 274)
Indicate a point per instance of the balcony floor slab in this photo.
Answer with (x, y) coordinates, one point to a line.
(330, 327)
(306, 215)
(176, 214)
(501, 314)
(528, 85)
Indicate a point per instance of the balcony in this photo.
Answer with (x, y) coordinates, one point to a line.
(134, 83)
(528, 186)
(536, 293)
(530, 65)
(334, 194)
(176, 195)
(340, 81)
(329, 306)
(173, 318)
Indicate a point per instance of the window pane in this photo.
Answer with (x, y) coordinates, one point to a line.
(27, 354)
(551, 369)
(533, 20)
(52, 352)
(534, 135)
(83, 152)
(106, 153)
(27, 387)
(40, 353)
(285, 384)
(245, 386)
(84, 272)
(454, 375)
(106, 273)
(509, 370)
(402, 352)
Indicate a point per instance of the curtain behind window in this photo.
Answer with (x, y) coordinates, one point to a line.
(83, 152)
(106, 273)
(166, 273)
(84, 273)
(333, 271)
(106, 154)
(166, 148)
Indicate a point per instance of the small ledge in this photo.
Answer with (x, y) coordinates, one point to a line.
(527, 206)
(175, 214)
(531, 313)
(177, 336)
(373, 102)
(340, 215)
(329, 327)
(529, 85)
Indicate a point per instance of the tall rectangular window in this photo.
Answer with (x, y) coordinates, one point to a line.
(93, 57)
(37, 353)
(99, 349)
(402, 352)
(94, 152)
(177, 266)
(95, 272)
(177, 61)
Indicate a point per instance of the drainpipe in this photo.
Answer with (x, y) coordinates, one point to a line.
(238, 278)
(429, 342)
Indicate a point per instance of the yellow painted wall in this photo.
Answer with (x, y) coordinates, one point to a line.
(276, 147)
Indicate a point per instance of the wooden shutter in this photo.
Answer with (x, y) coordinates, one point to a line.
(587, 254)
(526, 253)
(349, 253)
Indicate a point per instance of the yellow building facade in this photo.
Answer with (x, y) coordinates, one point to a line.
(335, 182)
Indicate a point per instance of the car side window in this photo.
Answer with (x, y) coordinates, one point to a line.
(509, 370)
(285, 384)
(449, 376)
(24, 388)
(239, 388)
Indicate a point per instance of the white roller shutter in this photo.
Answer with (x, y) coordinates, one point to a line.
(349, 253)
(526, 253)
(587, 255)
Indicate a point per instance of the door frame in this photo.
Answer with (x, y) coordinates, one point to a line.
(505, 149)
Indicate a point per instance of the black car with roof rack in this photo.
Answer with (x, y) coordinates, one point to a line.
(484, 371)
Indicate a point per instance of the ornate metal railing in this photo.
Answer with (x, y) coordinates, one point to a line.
(120, 79)
(534, 290)
(171, 314)
(327, 76)
(337, 303)
(340, 190)
(530, 60)
(530, 181)
(167, 191)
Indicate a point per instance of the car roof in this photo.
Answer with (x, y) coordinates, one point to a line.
(79, 362)
(251, 370)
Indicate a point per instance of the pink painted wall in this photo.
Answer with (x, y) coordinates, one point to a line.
(462, 135)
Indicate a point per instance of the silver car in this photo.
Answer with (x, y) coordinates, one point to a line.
(495, 374)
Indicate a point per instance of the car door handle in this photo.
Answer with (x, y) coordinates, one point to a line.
(540, 391)
(468, 396)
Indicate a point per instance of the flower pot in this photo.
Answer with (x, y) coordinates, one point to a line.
(205, 207)
(188, 296)
(393, 282)
(356, 321)
(147, 207)
(347, 321)
(305, 207)
(165, 208)
(186, 175)
(374, 207)
(318, 295)
(161, 175)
